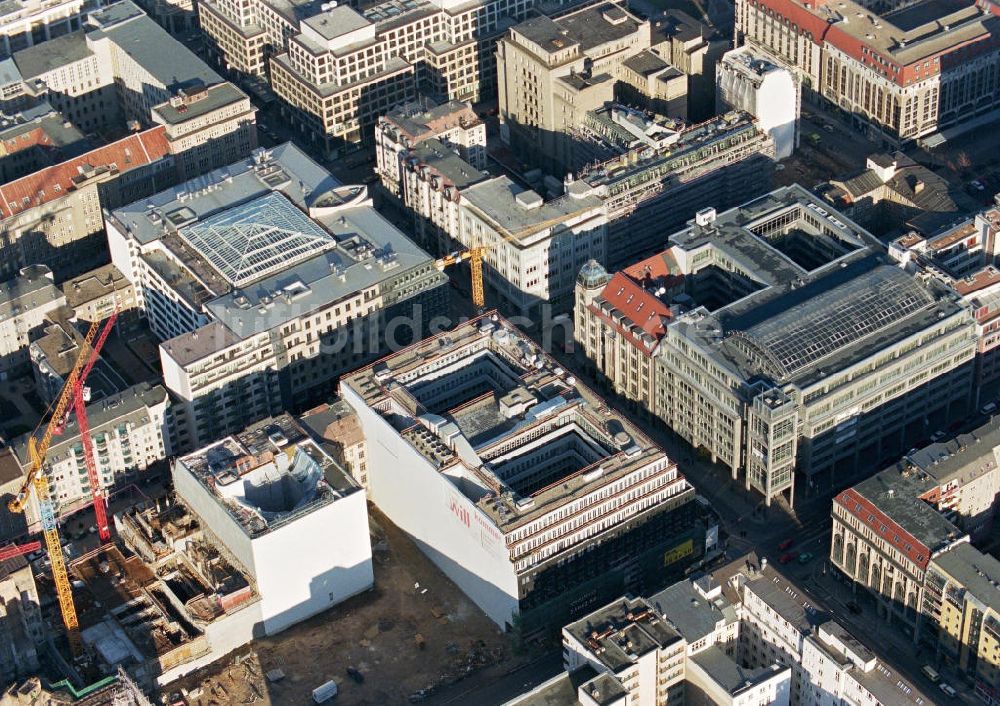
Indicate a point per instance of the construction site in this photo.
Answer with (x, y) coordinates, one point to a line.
(413, 637)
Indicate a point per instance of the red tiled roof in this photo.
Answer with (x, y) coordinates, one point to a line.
(850, 499)
(53, 182)
(822, 31)
(35, 136)
(661, 264)
(640, 308)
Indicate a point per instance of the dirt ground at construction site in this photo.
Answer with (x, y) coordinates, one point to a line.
(410, 637)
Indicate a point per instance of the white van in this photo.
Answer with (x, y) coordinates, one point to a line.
(930, 673)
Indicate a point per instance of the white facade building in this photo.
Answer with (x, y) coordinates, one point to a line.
(29, 22)
(118, 64)
(743, 635)
(713, 679)
(534, 248)
(746, 79)
(519, 483)
(265, 497)
(779, 623)
(634, 651)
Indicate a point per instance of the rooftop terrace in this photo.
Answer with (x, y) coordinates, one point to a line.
(620, 632)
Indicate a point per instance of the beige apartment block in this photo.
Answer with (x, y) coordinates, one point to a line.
(963, 603)
(237, 40)
(339, 69)
(454, 125)
(95, 294)
(338, 428)
(208, 127)
(551, 72)
(695, 49)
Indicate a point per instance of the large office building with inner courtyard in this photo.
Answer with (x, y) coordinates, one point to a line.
(792, 342)
(523, 486)
(264, 281)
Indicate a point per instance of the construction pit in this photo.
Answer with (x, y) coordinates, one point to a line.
(412, 638)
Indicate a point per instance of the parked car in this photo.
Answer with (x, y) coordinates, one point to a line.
(356, 675)
(786, 544)
(988, 408)
(805, 557)
(931, 673)
(937, 436)
(786, 558)
(947, 689)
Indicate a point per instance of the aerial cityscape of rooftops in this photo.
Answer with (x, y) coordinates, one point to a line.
(500, 352)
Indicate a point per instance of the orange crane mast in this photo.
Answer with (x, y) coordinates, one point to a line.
(36, 479)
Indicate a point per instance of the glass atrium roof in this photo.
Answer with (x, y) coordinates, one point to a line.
(839, 317)
(256, 239)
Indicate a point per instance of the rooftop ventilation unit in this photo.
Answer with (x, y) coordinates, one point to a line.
(705, 217)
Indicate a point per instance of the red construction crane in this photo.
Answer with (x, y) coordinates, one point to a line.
(18, 549)
(80, 409)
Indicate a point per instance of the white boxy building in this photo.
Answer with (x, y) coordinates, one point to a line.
(524, 487)
(265, 496)
(747, 79)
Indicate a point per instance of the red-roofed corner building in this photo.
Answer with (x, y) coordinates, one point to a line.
(620, 319)
(54, 215)
(901, 76)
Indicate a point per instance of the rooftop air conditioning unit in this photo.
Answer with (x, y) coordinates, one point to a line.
(705, 216)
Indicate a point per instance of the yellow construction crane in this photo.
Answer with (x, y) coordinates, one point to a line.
(475, 258)
(476, 254)
(37, 450)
